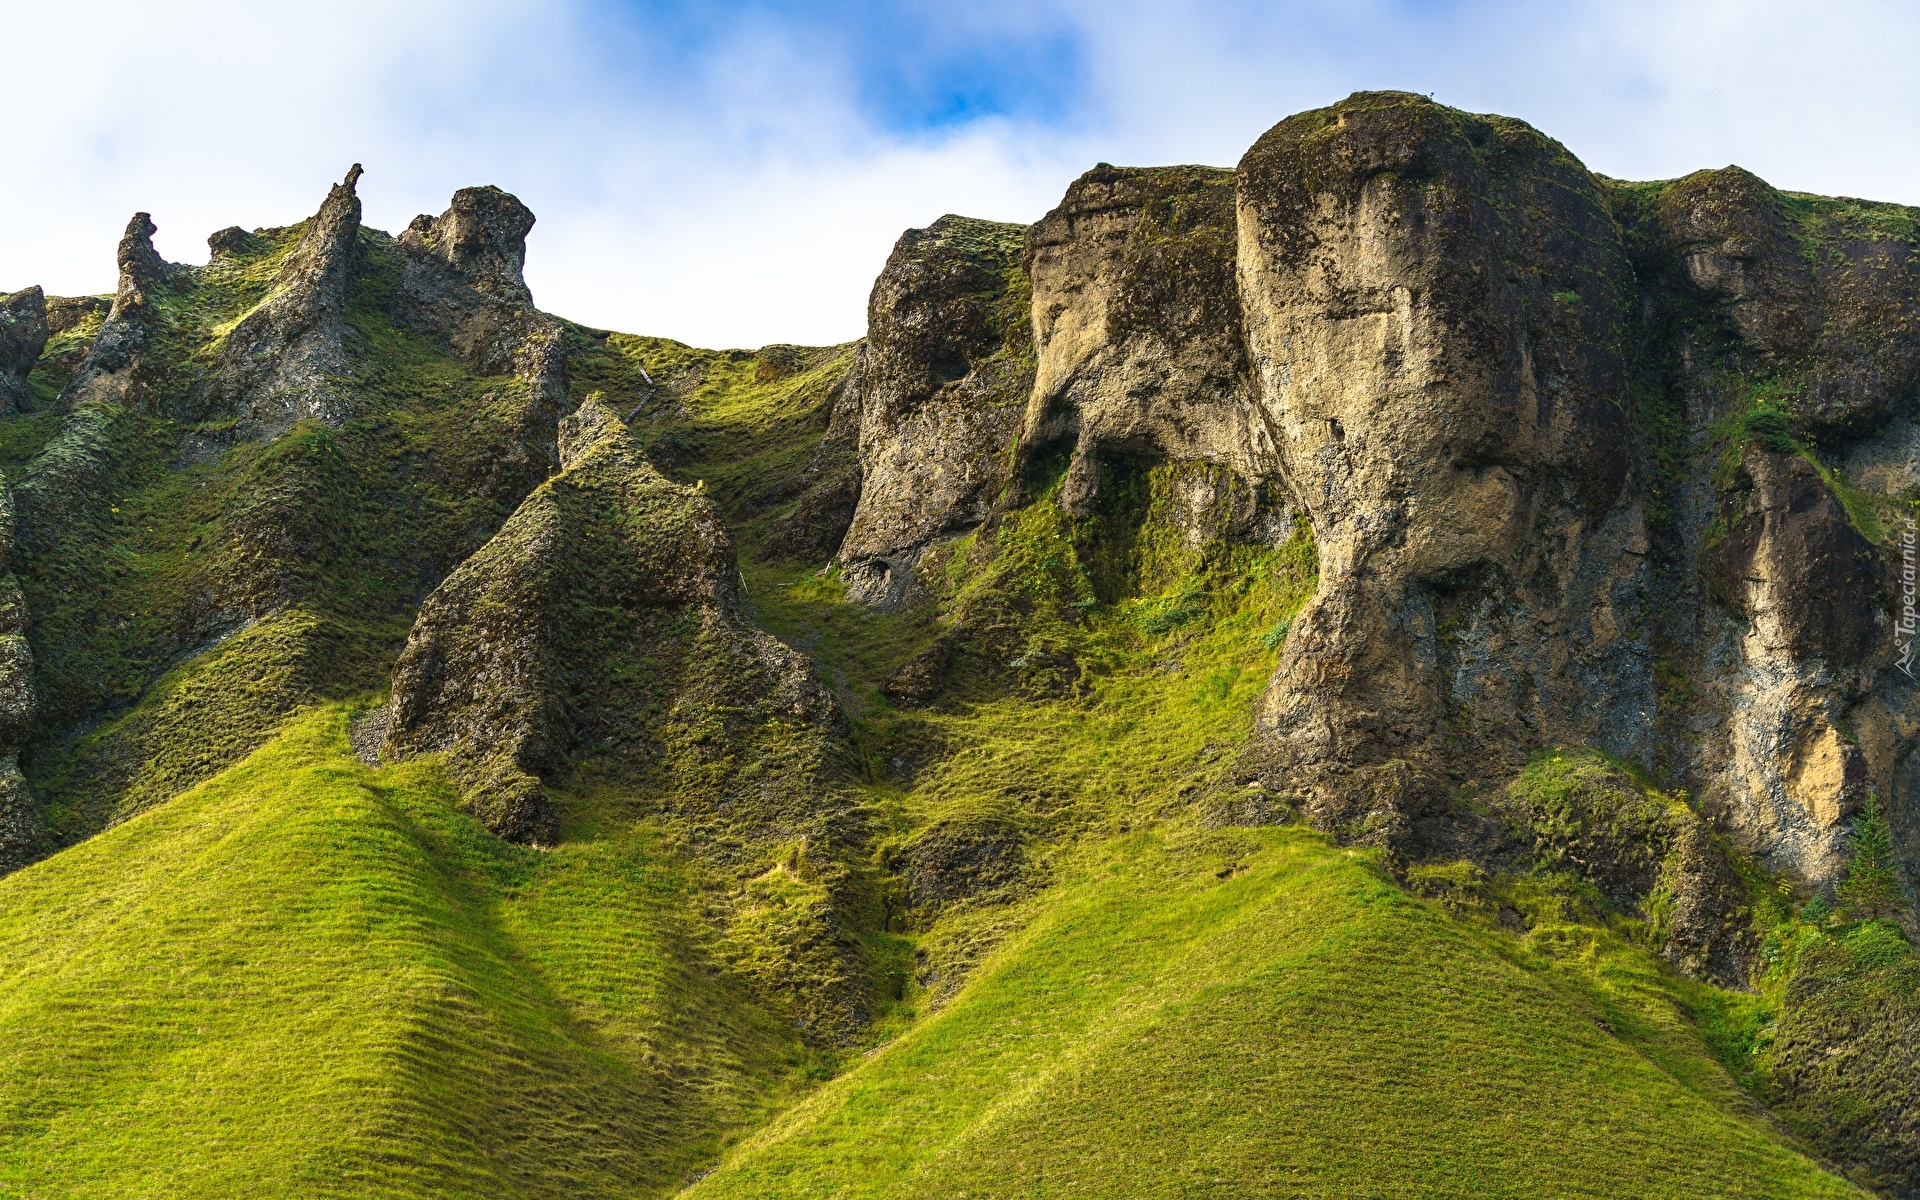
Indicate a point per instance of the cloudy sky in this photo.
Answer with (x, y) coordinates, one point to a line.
(732, 174)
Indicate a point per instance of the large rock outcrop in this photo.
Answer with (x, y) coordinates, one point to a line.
(286, 360)
(23, 335)
(1777, 329)
(1136, 320)
(943, 387)
(607, 617)
(1436, 306)
(1819, 294)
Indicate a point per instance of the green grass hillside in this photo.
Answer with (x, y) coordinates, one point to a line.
(1257, 1013)
(306, 977)
(311, 977)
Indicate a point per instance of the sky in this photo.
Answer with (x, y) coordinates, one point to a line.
(734, 174)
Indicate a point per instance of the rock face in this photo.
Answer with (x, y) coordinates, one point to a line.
(607, 616)
(21, 834)
(1435, 310)
(1552, 432)
(1837, 328)
(1803, 584)
(116, 369)
(818, 525)
(1777, 326)
(23, 335)
(944, 382)
(286, 360)
(1136, 319)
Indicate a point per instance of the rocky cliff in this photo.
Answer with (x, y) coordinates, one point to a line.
(1574, 453)
(943, 384)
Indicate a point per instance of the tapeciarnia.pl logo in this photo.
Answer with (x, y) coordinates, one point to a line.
(1904, 627)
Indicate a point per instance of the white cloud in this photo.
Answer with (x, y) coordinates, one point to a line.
(732, 190)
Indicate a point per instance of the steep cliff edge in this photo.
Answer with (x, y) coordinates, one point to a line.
(1436, 311)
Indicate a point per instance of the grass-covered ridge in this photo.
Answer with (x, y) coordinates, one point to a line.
(187, 591)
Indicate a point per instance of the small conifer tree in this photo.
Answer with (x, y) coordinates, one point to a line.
(1871, 888)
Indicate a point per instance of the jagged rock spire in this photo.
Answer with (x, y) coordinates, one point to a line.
(463, 284)
(284, 360)
(113, 367)
(482, 237)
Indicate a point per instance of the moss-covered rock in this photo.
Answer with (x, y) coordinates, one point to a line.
(205, 558)
(607, 617)
(1648, 854)
(285, 360)
(23, 335)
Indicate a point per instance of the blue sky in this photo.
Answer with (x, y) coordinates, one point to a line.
(734, 173)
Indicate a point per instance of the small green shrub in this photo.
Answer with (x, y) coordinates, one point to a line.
(1771, 431)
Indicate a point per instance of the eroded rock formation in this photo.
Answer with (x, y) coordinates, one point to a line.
(607, 616)
(943, 387)
(1136, 317)
(286, 360)
(1516, 401)
(117, 368)
(1435, 308)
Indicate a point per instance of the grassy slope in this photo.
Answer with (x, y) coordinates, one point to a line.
(1301, 1027)
(307, 977)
